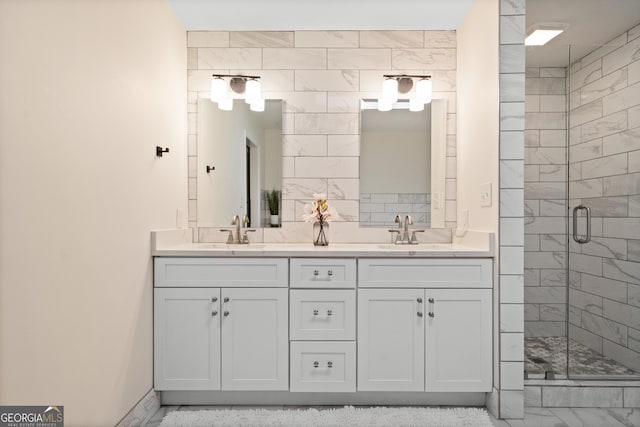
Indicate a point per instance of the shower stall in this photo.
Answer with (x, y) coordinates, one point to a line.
(582, 211)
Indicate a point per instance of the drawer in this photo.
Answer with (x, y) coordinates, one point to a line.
(429, 273)
(322, 314)
(323, 273)
(323, 366)
(220, 272)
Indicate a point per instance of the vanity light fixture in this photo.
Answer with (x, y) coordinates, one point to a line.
(221, 91)
(395, 84)
(541, 33)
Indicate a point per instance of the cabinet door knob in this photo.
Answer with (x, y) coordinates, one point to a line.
(226, 313)
(419, 314)
(315, 312)
(431, 314)
(431, 301)
(316, 272)
(329, 312)
(419, 300)
(330, 272)
(214, 299)
(329, 364)
(226, 299)
(214, 313)
(316, 364)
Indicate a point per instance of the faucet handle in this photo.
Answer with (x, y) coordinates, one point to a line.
(398, 221)
(234, 220)
(408, 220)
(245, 220)
(229, 237)
(245, 237)
(397, 236)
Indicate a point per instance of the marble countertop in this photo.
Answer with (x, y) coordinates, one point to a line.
(423, 250)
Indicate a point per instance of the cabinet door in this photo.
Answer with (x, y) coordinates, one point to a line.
(458, 340)
(187, 339)
(390, 340)
(255, 339)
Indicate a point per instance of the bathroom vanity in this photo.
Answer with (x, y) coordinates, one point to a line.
(351, 323)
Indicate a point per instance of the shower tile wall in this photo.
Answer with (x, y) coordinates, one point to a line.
(604, 312)
(545, 202)
(321, 75)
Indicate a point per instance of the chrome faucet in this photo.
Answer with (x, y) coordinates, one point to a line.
(407, 236)
(236, 221)
(407, 222)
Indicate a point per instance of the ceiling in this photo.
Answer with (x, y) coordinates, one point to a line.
(321, 14)
(591, 23)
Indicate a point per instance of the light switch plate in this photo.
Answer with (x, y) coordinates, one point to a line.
(485, 194)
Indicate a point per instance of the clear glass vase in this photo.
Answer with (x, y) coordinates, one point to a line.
(321, 234)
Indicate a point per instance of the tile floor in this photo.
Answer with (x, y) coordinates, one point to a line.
(534, 417)
(544, 352)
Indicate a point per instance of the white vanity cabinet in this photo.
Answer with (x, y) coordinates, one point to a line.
(362, 327)
(227, 338)
(417, 338)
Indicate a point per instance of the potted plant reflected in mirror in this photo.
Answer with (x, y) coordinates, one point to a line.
(273, 201)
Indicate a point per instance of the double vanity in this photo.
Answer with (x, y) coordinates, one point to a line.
(349, 323)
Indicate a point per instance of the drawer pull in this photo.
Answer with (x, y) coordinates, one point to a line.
(315, 312)
(330, 273)
(329, 364)
(226, 313)
(431, 314)
(316, 364)
(214, 313)
(329, 312)
(226, 299)
(419, 314)
(419, 300)
(214, 299)
(431, 300)
(316, 272)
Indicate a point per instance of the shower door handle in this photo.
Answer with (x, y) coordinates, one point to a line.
(580, 240)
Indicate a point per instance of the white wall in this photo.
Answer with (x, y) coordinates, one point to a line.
(88, 90)
(478, 115)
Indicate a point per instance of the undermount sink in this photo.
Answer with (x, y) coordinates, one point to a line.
(255, 246)
(419, 246)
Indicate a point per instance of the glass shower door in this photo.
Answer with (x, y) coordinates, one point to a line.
(603, 250)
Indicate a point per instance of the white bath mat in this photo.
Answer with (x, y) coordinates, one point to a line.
(347, 416)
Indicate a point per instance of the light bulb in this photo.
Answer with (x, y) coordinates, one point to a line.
(423, 90)
(384, 104)
(252, 91)
(257, 105)
(226, 104)
(218, 89)
(390, 90)
(416, 105)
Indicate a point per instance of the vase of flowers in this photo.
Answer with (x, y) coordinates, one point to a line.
(319, 213)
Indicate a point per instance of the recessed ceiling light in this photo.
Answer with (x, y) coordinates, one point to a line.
(540, 34)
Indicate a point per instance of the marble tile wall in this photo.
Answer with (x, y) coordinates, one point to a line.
(511, 246)
(604, 138)
(321, 75)
(545, 192)
(380, 209)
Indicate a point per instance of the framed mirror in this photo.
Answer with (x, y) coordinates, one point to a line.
(239, 164)
(402, 164)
